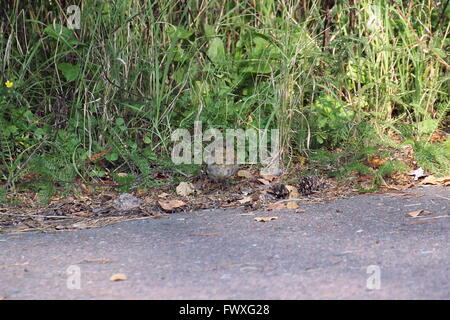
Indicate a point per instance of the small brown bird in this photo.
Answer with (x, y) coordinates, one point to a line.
(220, 172)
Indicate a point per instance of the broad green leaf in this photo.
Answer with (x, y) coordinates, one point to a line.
(113, 156)
(120, 122)
(61, 33)
(147, 140)
(441, 53)
(209, 30)
(178, 32)
(427, 126)
(216, 51)
(69, 71)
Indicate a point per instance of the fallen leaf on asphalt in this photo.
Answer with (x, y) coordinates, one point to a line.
(277, 206)
(170, 205)
(416, 213)
(249, 269)
(185, 189)
(433, 180)
(159, 216)
(245, 174)
(292, 205)
(265, 219)
(118, 277)
(97, 260)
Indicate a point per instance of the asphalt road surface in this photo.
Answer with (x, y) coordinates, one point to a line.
(365, 247)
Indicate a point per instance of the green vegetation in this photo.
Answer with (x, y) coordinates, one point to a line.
(136, 70)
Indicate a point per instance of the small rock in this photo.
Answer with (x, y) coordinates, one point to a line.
(418, 173)
(185, 189)
(126, 202)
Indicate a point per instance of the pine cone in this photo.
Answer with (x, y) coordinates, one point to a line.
(280, 191)
(308, 184)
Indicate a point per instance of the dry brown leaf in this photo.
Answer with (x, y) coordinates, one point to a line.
(277, 206)
(268, 177)
(163, 195)
(433, 180)
(85, 189)
(245, 200)
(416, 213)
(148, 199)
(159, 216)
(82, 213)
(292, 205)
(376, 162)
(438, 136)
(444, 180)
(265, 219)
(429, 180)
(245, 174)
(264, 181)
(185, 189)
(365, 178)
(118, 277)
(30, 176)
(395, 137)
(97, 156)
(293, 192)
(140, 192)
(228, 205)
(170, 205)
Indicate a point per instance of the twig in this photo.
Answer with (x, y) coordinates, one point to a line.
(34, 215)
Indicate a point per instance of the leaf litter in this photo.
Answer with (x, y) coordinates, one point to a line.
(249, 190)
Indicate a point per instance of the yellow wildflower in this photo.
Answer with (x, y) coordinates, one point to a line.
(9, 84)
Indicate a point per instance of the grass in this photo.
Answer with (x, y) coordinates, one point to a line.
(136, 70)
